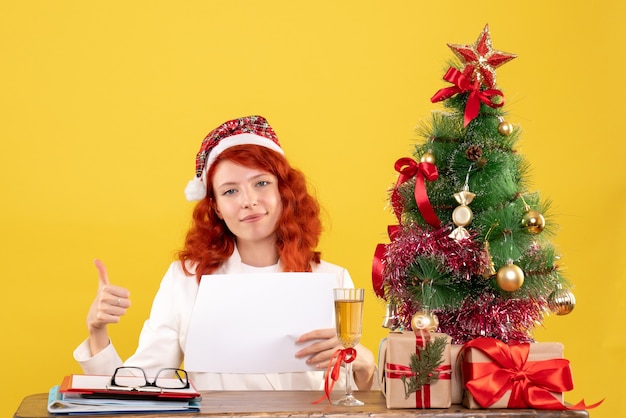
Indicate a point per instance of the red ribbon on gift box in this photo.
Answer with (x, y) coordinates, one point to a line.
(530, 382)
(422, 396)
(397, 371)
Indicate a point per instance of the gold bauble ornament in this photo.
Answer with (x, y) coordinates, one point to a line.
(428, 157)
(510, 277)
(533, 221)
(424, 321)
(561, 301)
(505, 128)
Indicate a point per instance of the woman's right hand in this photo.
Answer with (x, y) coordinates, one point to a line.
(108, 307)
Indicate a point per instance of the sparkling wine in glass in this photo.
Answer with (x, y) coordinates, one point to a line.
(348, 319)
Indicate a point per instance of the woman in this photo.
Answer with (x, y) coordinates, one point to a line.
(254, 215)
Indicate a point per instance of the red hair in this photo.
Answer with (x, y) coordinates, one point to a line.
(209, 242)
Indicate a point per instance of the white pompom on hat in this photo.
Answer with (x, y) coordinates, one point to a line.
(253, 130)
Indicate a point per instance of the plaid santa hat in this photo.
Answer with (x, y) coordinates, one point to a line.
(253, 130)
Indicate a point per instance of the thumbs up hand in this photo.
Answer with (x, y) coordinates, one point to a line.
(108, 307)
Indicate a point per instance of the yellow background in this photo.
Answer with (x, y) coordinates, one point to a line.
(103, 106)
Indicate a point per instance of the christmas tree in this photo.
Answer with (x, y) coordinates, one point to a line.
(471, 255)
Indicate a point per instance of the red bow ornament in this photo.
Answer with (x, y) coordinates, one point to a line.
(532, 384)
(408, 169)
(463, 84)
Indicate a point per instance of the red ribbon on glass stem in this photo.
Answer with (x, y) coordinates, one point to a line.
(530, 382)
(463, 84)
(408, 169)
(343, 355)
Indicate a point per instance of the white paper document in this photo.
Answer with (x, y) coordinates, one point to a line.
(248, 323)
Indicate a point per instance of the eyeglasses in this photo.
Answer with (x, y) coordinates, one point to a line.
(135, 379)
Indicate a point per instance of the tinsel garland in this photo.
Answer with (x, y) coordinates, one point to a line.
(485, 312)
(463, 259)
(491, 315)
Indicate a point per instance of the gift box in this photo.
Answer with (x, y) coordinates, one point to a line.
(395, 363)
(499, 375)
(456, 380)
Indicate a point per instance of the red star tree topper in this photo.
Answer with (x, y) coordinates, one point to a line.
(482, 58)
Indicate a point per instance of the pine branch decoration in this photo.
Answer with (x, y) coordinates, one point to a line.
(424, 364)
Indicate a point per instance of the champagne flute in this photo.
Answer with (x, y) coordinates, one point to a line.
(348, 320)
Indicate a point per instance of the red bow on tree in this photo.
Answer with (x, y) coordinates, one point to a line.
(463, 84)
(408, 169)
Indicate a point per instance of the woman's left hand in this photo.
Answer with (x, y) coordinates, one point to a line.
(324, 343)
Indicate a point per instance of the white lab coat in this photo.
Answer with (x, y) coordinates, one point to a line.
(164, 334)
